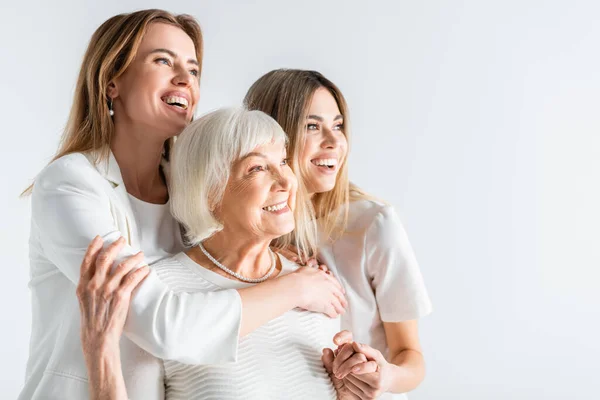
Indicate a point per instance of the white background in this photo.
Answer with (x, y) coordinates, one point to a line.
(478, 120)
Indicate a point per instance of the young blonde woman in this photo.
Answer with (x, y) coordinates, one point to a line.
(137, 89)
(361, 239)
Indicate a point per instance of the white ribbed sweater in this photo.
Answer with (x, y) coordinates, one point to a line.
(280, 360)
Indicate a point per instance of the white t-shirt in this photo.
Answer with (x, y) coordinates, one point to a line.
(279, 360)
(159, 232)
(160, 238)
(377, 266)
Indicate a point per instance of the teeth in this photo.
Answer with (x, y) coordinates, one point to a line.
(329, 162)
(177, 101)
(276, 207)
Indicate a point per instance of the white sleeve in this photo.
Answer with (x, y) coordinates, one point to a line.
(396, 279)
(70, 207)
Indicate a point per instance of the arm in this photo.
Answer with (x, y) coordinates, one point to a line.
(70, 206)
(307, 288)
(401, 299)
(406, 362)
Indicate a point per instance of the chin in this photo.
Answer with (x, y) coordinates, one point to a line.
(285, 228)
(322, 187)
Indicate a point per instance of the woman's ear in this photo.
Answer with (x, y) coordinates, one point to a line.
(112, 90)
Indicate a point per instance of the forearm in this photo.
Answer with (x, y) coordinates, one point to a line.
(267, 301)
(408, 371)
(106, 376)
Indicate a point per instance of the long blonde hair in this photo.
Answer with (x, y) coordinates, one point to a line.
(111, 50)
(286, 94)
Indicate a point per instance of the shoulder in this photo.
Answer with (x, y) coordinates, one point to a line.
(75, 167)
(365, 214)
(378, 221)
(170, 264)
(178, 273)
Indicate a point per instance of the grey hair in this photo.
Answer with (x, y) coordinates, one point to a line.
(202, 158)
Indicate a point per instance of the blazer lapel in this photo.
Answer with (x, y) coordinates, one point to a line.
(122, 211)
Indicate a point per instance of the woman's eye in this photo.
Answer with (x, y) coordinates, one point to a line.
(163, 61)
(257, 168)
(285, 161)
(194, 72)
(312, 127)
(339, 127)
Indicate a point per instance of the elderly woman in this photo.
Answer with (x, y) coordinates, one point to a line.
(232, 189)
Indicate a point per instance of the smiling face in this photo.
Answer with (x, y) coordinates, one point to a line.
(260, 195)
(160, 88)
(325, 144)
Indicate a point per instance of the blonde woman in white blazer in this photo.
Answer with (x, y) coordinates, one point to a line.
(137, 89)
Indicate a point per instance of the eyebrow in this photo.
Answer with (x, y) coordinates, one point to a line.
(320, 119)
(254, 154)
(173, 54)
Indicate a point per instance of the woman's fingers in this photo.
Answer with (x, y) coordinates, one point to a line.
(343, 337)
(335, 282)
(121, 297)
(370, 391)
(312, 262)
(327, 359)
(131, 281)
(342, 299)
(371, 353)
(365, 368)
(107, 257)
(337, 305)
(120, 271)
(354, 389)
(345, 352)
(349, 364)
(331, 312)
(86, 271)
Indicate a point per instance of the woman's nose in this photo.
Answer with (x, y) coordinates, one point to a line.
(285, 181)
(330, 139)
(182, 77)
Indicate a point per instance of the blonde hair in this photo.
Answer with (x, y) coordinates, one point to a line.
(201, 165)
(286, 94)
(111, 50)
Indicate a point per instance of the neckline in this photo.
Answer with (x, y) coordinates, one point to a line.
(145, 203)
(287, 266)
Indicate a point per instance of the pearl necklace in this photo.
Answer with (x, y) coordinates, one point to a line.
(239, 276)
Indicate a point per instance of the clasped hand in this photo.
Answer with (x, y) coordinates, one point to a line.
(357, 370)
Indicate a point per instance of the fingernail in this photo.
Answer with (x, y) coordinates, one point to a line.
(355, 369)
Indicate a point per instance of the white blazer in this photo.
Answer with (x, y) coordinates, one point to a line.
(73, 201)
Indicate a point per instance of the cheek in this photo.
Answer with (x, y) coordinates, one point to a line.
(195, 94)
(309, 149)
(344, 144)
(252, 193)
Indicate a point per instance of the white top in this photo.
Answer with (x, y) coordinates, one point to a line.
(377, 266)
(159, 232)
(74, 200)
(279, 360)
